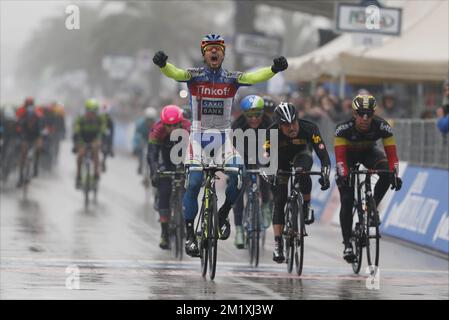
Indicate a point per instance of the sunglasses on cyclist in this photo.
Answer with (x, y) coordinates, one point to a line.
(211, 47)
(174, 125)
(256, 114)
(369, 114)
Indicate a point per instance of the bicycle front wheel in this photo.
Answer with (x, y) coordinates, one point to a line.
(179, 227)
(203, 242)
(256, 232)
(357, 239)
(289, 238)
(372, 235)
(213, 236)
(300, 231)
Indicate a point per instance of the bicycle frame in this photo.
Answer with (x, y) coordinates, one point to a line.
(87, 181)
(252, 216)
(366, 210)
(294, 232)
(208, 220)
(176, 217)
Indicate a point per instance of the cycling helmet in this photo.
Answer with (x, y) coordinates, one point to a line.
(269, 104)
(212, 39)
(150, 113)
(29, 101)
(92, 105)
(252, 105)
(171, 114)
(58, 108)
(285, 113)
(364, 104)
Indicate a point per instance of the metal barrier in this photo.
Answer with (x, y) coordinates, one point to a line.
(421, 143)
(418, 141)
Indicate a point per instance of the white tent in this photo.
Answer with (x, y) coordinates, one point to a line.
(421, 53)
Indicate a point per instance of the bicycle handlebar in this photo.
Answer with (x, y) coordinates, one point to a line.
(370, 171)
(299, 172)
(215, 168)
(170, 173)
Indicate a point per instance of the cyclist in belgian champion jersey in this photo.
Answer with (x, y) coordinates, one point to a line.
(355, 141)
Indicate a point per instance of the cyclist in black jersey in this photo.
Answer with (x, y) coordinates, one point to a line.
(297, 138)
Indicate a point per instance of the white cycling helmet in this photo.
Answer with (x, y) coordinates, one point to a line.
(151, 113)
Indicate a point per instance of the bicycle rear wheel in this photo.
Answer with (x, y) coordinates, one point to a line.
(300, 231)
(213, 235)
(372, 235)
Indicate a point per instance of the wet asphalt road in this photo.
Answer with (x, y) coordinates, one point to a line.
(114, 246)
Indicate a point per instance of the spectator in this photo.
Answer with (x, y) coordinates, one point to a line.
(443, 112)
(390, 107)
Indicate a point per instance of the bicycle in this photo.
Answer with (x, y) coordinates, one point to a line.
(295, 232)
(176, 224)
(88, 182)
(207, 227)
(365, 232)
(252, 226)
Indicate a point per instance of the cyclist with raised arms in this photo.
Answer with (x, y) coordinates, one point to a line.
(253, 118)
(212, 90)
(159, 143)
(355, 142)
(296, 139)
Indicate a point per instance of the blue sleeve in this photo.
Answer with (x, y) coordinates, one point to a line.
(443, 124)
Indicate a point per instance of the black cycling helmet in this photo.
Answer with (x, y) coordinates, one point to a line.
(285, 113)
(364, 104)
(268, 104)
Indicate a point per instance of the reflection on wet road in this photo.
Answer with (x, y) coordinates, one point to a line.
(112, 250)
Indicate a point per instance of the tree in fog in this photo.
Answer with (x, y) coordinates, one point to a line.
(174, 26)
